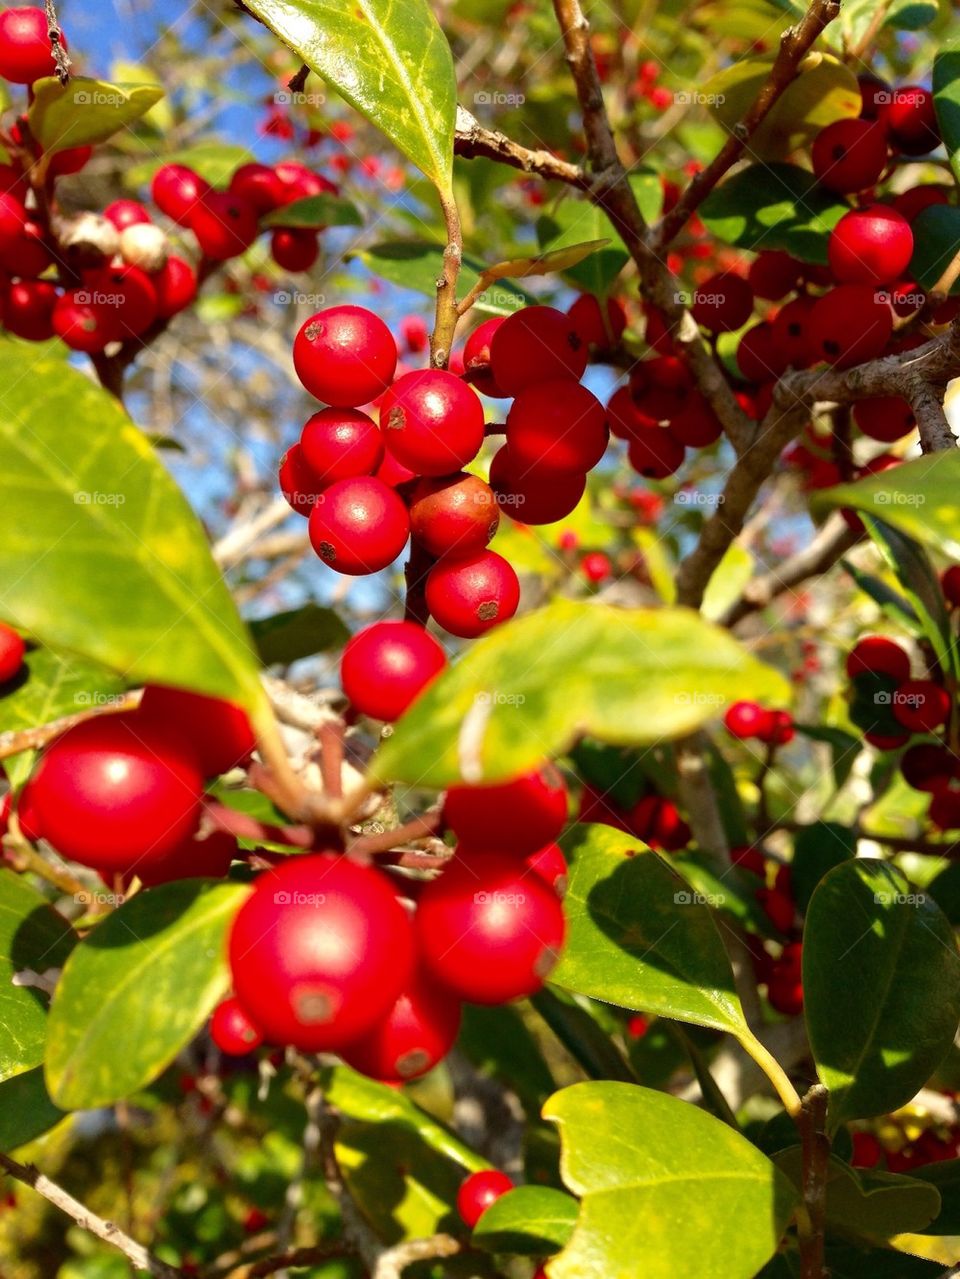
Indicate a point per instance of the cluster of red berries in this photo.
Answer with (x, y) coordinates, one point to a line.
(779, 972)
(910, 1138)
(652, 818)
(330, 955)
(748, 720)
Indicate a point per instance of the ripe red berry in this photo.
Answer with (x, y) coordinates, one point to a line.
(785, 988)
(658, 823)
(340, 444)
(126, 296)
(533, 496)
(596, 567)
(416, 335)
(849, 155)
(536, 344)
(587, 317)
(921, 705)
(453, 514)
(13, 220)
(299, 182)
(750, 859)
(928, 766)
(722, 303)
(26, 53)
(912, 120)
(72, 160)
(12, 650)
(29, 255)
(885, 418)
(27, 309)
(476, 358)
(232, 1030)
(387, 665)
(112, 790)
(124, 213)
(877, 655)
(557, 426)
(82, 326)
(487, 929)
(469, 595)
(432, 421)
(359, 526)
(773, 274)
(345, 356)
(950, 582)
(655, 454)
(224, 225)
(759, 354)
(417, 1033)
(260, 184)
(320, 951)
(748, 719)
(478, 1192)
(519, 816)
(872, 245)
(298, 483)
(551, 865)
(778, 906)
(198, 857)
(624, 417)
(696, 426)
(913, 202)
(294, 248)
(219, 732)
(794, 334)
(852, 323)
(175, 285)
(177, 191)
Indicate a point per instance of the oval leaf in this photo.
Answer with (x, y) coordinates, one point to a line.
(315, 211)
(531, 1220)
(137, 989)
(639, 937)
(664, 1187)
(936, 232)
(417, 264)
(390, 61)
(946, 98)
(26, 1111)
(83, 111)
(881, 981)
(119, 566)
(627, 676)
(774, 206)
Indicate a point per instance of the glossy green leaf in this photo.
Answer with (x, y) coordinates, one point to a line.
(730, 890)
(881, 981)
(665, 1189)
(531, 1220)
(315, 211)
(638, 936)
(946, 97)
(137, 989)
(301, 632)
(534, 684)
(774, 206)
(214, 160)
(120, 569)
(85, 111)
(416, 264)
(727, 582)
(944, 888)
(936, 231)
(921, 584)
(919, 497)
(26, 1111)
(390, 61)
(33, 938)
(54, 686)
(892, 603)
(574, 221)
(817, 848)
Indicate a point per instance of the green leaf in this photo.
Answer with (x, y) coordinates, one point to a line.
(535, 684)
(315, 211)
(33, 937)
(85, 111)
(727, 582)
(573, 221)
(26, 1111)
(666, 1189)
(848, 1261)
(917, 497)
(137, 989)
(936, 231)
(286, 637)
(945, 891)
(531, 1220)
(639, 937)
(891, 602)
(730, 890)
(588, 1043)
(817, 848)
(213, 160)
(499, 1044)
(390, 61)
(881, 981)
(946, 98)
(774, 206)
(120, 569)
(416, 264)
(911, 15)
(945, 1175)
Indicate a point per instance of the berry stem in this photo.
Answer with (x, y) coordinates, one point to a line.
(773, 1071)
(445, 325)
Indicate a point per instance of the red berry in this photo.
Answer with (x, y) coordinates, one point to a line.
(785, 990)
(224, 225)
(13, 220)
(232, 1030)
(551, 865)
(26, 53)
(557, 426)
(300, 486)
(487, 929)
(852, 323)
(867, 1151)
(877, 655)
(320, 951)
(944, 810)
(417, 1033)
(750, 859)
(82, 326)
(913, 202)
(176, 286)
(886, 741)
(416, 335)
(29, 255)
(124, 213)
(72, 160)
(198, 857)
(658, 823)
(12, 649)
(928, 766)
(432, 421)
(586, 315)
(536, 344)
(299, 182)
(126, 296)
(875, 96)
(912, 120)
(696, 426)
(219, 732)
(781, 730)
(773, 274)
(759, 354)
(531, 496)
(469, 595)
(294, 248)
(260, 185)
(872, 245)
(624, 417)
(359, 526)
(387, 665)
(519, 816)
(114, 789)
(27, 309)
(177, 191)
(950, 582)
(778, 906)
(345, 356)
(655, 454)
(722, 303)
(849, 155)
(478, 1192)
(453, 514)
(794, 334)
(921, 705)
(747, 719)
(596, 567)
(885, 418)
(476, 358)
(340, 444)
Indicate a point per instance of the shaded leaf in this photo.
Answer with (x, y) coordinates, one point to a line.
(286, 637)
(774, 206)
(530, 1220)
(318, 211)
(85, 111)
(946, 97)
(416, 264)
(26, 1111)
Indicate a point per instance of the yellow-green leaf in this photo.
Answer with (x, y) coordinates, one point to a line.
(84, 111)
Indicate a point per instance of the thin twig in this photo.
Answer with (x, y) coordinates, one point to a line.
(445, 325)
(815, 1148)
(472, 140)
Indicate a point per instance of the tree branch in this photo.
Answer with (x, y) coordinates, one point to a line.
(815, 1146)
(472, 140)
(445, 326)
